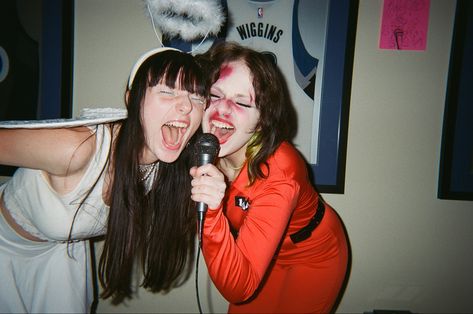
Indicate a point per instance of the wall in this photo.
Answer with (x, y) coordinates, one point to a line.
(410, 249)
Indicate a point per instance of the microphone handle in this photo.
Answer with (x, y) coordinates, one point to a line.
(201, 207)
(200, 221)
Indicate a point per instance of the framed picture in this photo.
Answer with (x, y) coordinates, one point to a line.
(329, 170)
(456, 160)
(36, 48)
(312, 42)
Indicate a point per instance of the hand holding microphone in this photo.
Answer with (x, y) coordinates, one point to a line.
(208, 185)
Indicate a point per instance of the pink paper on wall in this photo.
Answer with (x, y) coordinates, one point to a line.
(404, 24)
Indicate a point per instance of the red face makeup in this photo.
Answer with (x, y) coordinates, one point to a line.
(225, 71)
(232, 116)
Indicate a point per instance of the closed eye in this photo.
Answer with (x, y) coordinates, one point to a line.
(167, 92)
(243, 105)
(214, 97)
(198, 100)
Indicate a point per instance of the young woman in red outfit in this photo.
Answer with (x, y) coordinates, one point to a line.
(270, 243)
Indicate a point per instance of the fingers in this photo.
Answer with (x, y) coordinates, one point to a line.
(207, 169)
(208, 185)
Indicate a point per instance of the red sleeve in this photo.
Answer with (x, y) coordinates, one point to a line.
(237, 266)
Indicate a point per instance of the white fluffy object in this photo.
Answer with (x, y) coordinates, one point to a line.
(189, 19)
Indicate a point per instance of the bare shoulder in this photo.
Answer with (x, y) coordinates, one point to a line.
(59, 152)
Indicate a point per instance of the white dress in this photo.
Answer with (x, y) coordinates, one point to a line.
(51, 276)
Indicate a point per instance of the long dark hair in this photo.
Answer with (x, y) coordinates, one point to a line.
(154, 231)
(277, 122)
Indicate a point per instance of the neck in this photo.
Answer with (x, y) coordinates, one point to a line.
(227, 164)
(231, 164)
(230, 168)
(147, 157)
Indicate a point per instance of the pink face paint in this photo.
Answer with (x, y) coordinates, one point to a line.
(233, 105)
(229, 102)
(229, 107)
(225, 71)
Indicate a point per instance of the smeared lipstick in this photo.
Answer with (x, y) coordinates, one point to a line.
(222, 129)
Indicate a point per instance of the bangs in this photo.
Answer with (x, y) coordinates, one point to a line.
(184, 68)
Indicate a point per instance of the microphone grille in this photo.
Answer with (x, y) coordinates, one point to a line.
(207, 143)
(205, 149)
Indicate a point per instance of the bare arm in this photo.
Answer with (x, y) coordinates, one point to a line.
(63, 154)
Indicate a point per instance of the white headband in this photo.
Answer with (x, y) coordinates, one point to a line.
(143, 58)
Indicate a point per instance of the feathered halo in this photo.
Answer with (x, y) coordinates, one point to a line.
(189, 19)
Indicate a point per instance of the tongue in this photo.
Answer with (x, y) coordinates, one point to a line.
(170, 135)
(223, 134)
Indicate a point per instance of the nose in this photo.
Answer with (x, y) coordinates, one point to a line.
(224, 107)
(184, 104)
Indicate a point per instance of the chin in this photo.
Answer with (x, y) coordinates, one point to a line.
(223, 152)
(170, 156)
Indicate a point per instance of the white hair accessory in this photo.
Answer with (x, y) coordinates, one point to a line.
(189, 19)
(143, 58)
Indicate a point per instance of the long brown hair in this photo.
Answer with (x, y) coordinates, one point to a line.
(154, 231)
(277, 122)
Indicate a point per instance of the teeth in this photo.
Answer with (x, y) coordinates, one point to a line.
(222, 125)
(176, 124)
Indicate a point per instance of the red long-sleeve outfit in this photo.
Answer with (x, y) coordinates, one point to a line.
(249, 253)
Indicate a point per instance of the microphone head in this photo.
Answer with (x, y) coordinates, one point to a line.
(206, 149)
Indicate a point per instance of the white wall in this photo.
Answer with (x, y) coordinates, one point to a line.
(410, 249)
(109, 36)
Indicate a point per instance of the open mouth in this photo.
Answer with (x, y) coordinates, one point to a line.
(223, 131)
(173, 133)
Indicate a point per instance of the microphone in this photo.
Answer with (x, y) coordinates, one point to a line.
(206, 149)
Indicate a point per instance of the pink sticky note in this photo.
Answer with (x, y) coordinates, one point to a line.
(404, 24)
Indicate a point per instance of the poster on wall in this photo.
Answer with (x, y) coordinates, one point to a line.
(293, 34)
(35, 60)
(312, 43)
(404, 24)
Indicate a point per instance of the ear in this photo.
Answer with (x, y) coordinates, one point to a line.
(127, 96)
